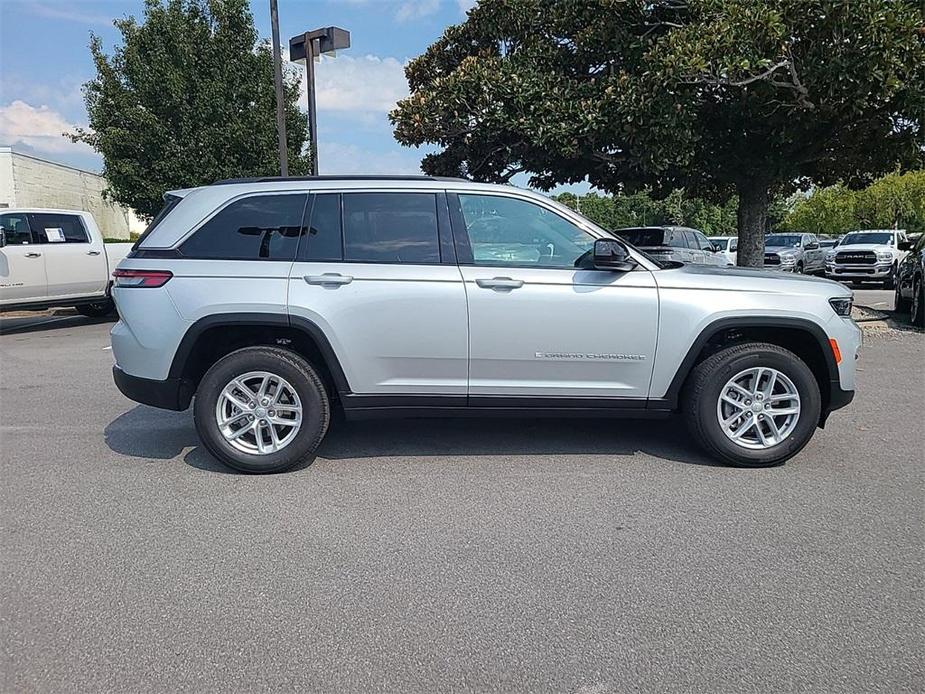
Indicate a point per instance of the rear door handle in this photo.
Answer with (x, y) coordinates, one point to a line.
(33, 255)
(499, 283)
(329, 278)
(93, 252)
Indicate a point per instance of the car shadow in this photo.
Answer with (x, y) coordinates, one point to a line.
(57, 320)
(150, 433)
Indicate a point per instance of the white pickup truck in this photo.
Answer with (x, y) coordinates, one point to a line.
(55, 258)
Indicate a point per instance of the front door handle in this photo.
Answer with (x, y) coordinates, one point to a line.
(329, 278)
(33, 255)
(499, 283)
(93, 252)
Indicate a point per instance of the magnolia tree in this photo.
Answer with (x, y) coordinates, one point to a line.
(188, 98)
(718, 97)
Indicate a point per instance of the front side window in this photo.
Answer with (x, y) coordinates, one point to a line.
(391, 228)
(16, 229)
(703, 243)
(507, 231)
(58, 228)
(259, 227)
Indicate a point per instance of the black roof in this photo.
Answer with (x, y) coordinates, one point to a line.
(272, 179)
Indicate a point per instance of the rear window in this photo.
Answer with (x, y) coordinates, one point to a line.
(170, 201)
(324, 240)
(258, 227)
(643, 237)
(391, 228)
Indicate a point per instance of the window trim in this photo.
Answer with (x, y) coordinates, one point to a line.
(463, 246)
(178, 247)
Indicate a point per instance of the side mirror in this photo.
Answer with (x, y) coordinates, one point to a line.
(610, 254)
(2, 237)
(715, 248)
(812, 246)
(904, 245)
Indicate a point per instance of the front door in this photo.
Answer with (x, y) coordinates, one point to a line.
(22, 263)
(373, 274)
(538, 324)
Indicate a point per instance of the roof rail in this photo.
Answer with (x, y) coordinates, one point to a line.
(274, 179)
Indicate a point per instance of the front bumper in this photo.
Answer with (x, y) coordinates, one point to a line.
(169, 394)
(877, 271)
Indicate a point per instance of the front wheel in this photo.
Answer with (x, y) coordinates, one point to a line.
(261, 409)
(752, 405)
(899, 303)
(890, 281)
(917, 307)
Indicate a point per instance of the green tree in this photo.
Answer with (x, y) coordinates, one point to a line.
(826, 211)
(187, 99)
(719, 97)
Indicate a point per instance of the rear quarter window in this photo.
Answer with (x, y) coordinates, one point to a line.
(258, 227)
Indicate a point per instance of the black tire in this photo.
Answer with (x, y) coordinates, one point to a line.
(96, 310)
(900, 304)
(702, 392)
(917, 305)
(316, 409)
(799, 268)
(890, 282)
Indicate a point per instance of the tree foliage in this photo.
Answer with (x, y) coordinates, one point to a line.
(187, 99)
(894, 201)
(640, 209)
(719, 97)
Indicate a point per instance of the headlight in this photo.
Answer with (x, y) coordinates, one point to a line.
(842, 305)
(884, 256)
(788, 259)
(830, 257)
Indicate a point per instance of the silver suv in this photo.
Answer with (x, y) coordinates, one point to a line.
(270, 303)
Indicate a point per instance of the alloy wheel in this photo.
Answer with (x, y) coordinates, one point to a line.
(258, 413)
(758, 408)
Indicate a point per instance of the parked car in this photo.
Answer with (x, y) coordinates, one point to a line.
(55, 258)
(799, 253)
(826, 244)
(274, 301)
(728, 246)
(867, 256)
(910, 281)
(673, 243)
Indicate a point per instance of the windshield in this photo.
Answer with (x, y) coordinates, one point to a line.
(782, 240)
(882, 237)
(643, 237)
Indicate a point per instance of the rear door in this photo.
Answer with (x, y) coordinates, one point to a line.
(74, 264)
(22, 262)
(696, 253)
(376, 271)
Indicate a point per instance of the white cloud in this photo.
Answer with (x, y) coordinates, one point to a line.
(69, 14)
(416, 9)
(358, 86)
(40, 128)
(336, 158)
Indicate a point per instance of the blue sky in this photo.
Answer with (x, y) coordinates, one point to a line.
(44, 60)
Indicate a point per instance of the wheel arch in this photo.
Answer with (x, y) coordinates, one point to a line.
(803, 337)
(212, 337)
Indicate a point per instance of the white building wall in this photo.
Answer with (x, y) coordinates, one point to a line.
(26, 181)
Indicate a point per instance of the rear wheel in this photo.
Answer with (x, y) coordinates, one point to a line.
(97, 309)
(752, 405)
(261, 409)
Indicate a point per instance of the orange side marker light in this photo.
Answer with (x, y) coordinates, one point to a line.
(836, 352)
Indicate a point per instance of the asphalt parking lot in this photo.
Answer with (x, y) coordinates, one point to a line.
(478, 555)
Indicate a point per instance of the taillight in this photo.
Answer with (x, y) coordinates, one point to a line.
(141, 278)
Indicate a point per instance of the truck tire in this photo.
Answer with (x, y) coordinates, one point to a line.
(752, 405)
(261, 410)
(96, 310)
(900, 304)
(890, 281)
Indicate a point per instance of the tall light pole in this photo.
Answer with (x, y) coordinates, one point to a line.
(278, 82)
(306, 47)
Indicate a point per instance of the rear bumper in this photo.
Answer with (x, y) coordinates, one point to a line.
(170, 394)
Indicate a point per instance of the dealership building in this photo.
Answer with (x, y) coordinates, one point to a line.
(29, 181)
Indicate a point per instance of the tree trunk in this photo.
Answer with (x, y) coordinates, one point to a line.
(752, 217)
